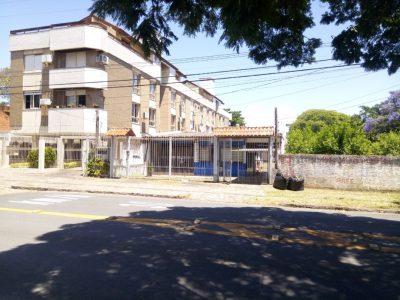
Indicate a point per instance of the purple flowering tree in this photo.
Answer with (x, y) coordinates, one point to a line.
(383, 117)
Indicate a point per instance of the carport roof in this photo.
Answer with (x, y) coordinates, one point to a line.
(120, 132)
(243, 131)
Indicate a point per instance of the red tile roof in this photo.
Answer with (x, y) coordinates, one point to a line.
(243, 131)
(4, 122)
(120, 132)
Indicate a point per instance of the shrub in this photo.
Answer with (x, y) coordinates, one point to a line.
(49, 157)
(97, 167)
(71, 164)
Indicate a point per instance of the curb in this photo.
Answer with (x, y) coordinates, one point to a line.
(50, 189)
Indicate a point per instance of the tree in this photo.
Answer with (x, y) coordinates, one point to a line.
(4, 84)
(271, 30)
(327, 132)
(237, 118)
(383, 117)
(387, 144)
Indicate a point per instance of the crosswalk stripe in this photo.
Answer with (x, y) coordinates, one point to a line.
(51, 200)
(29, 202)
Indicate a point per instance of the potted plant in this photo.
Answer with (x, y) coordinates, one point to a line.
(280, 182)
(296, 183)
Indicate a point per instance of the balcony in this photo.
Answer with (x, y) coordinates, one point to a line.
(78, 78)
(31, 121)
(76, 121)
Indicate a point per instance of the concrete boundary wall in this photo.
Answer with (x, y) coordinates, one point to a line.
(347, 172)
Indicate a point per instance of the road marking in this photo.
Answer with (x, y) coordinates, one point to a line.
(54, 213)
(151, 205)
(28, 202)
(51, 199)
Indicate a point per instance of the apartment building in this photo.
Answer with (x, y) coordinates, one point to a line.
(90, 76)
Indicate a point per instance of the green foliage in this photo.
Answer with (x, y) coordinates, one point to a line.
(97, 167)
(327, 132)
(49, 157)
(271, 30)
(237, 118)
(19, 165)
(71, 164)
(387, 144)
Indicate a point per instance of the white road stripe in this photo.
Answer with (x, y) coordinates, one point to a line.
(52, 200)
(30, 202)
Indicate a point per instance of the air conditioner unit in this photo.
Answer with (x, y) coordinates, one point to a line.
(47, 58)
(102, 58)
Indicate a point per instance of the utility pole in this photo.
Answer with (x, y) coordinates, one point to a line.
(276, 138)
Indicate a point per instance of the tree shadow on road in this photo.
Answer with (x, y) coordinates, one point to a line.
(122, 260)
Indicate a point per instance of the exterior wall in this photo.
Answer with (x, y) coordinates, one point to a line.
(165, 110)
(118, 97)
(76, 121)
(16, 100)
(346, 172)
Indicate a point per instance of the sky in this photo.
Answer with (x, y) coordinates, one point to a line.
(340, 89)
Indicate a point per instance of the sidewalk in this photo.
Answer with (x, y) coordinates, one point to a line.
(73, 181)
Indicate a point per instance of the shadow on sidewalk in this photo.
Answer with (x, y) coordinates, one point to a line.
(120, 260)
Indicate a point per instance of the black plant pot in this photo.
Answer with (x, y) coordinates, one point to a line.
(295, 184)
(280, 182)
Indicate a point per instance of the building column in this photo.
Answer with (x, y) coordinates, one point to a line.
(5, 156)
(85, 154)
(60, 153)
(216, 160)
(42, 146)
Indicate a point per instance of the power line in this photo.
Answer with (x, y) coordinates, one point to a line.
(196, 80)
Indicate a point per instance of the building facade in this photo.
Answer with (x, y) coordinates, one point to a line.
(87, 77)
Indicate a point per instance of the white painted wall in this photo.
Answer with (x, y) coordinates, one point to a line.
(78, 78)
(31, 120)
(32, 81)
(76, 120)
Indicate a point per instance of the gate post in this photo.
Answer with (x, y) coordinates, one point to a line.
(128, 154)
(42, 145)
(216, 160)
(170, 157)
(60, 153)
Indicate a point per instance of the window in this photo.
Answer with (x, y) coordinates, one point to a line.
(135, 83)
(152, 117)
(33, 62)
(32, 100)
(75, 98)
(152, 90)
(182, 124)
(76, 59)
(173, 99)
(192, 121)
(135, 112)
(182, 104)
(173, 121)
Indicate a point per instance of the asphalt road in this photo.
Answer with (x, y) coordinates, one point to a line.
(89, 246)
